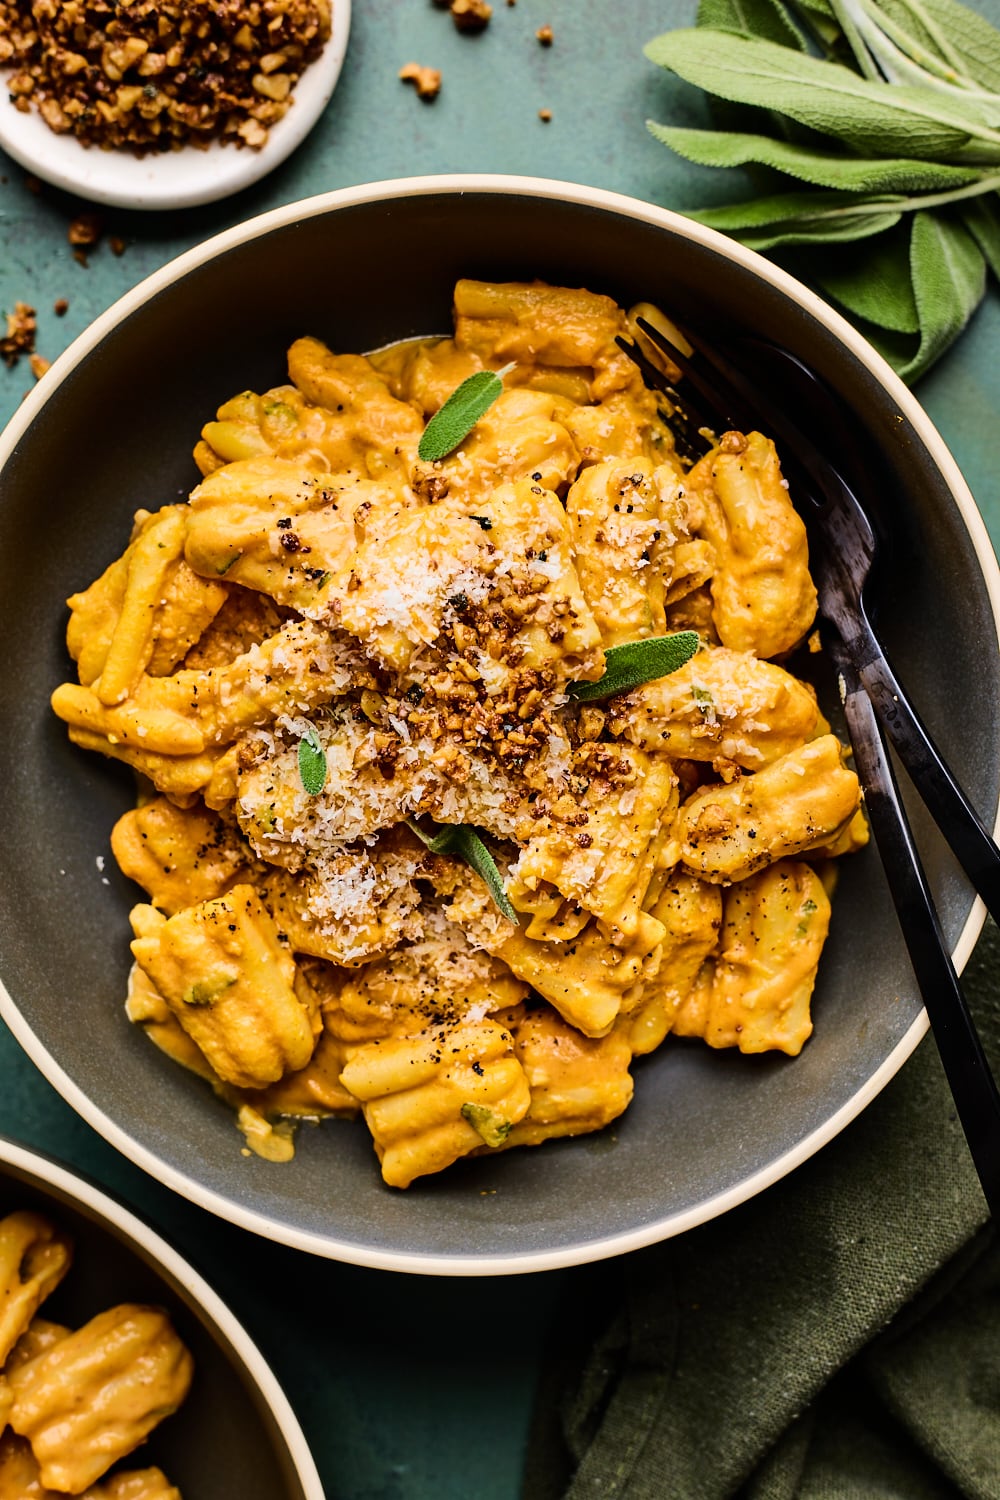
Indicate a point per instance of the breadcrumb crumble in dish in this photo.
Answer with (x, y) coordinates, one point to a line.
(155, 75)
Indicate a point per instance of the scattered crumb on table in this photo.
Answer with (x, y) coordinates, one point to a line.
(20, 336)
(426, 81)
(85, 230)
(471, 15)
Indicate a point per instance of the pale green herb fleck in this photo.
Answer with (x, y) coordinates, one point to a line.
(492, 1127)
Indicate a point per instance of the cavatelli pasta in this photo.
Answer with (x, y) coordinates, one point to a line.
(337, 653)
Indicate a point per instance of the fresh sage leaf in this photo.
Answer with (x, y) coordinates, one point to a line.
(896, 121)
(823, 168)
(312, 763)
(802, 218)
(982, 219)
(964, 40)
(764, 18)
(465, 843)
(895, 348)
(869, 280)
(855, 32)
(453, 422)
(949, 280)
(825, 96)
(636, 662)
(819, 20)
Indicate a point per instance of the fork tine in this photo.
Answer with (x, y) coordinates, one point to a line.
(687, 423)
(711, 372)
(709, 391)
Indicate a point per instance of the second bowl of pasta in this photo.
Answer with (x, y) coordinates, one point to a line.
(124, 1377)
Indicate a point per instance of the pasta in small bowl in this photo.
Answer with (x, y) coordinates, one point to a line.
(122, 1375)
(487, 761)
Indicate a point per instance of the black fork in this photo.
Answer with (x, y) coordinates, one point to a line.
(844, 551)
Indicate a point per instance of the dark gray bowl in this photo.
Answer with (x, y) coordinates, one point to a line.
(235, 1433)
(111, 428)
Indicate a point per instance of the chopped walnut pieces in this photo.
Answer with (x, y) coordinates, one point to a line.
(426, 81)
(39, 364)
(545, 115)
(545, 35)
(20, 335)
(85, 230)
(223, 69)
(471, 15)
(427, 483)
(117, 244)
(60, 307)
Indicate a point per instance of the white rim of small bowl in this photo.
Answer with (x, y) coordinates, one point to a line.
(175, 179)
(633, 208)
(86, 1195)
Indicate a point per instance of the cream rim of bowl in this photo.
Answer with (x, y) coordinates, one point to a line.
(174, 179)
(532, 187)
(163, 1257)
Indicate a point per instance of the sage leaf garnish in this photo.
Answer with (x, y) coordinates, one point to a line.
(636, 662)
(437, 843)
(453, 422)
(465, 843)
(312, 763)
(883, 116)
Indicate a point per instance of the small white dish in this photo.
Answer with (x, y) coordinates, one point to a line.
(175, 179)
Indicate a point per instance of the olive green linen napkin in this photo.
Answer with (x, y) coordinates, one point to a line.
(836, 1338)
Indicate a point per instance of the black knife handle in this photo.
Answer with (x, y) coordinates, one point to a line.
(927, 768)
(972, 1085)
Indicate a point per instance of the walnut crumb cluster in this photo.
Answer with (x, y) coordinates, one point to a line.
(148, 76)
(19, 340)
(20, 336)
(426, 81)
(468, 15)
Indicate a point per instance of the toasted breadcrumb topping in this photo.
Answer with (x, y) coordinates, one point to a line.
(152, 75)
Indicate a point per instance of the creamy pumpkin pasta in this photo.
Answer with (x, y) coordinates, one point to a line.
(413, 848)
(73, 1402)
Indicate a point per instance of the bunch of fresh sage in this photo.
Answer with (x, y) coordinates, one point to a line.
(890, 111)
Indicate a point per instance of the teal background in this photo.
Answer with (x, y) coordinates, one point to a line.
(410, 1387)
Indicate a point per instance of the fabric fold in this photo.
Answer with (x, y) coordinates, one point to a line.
(749, 1357)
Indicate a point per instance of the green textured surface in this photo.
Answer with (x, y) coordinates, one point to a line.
(409, 1387)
